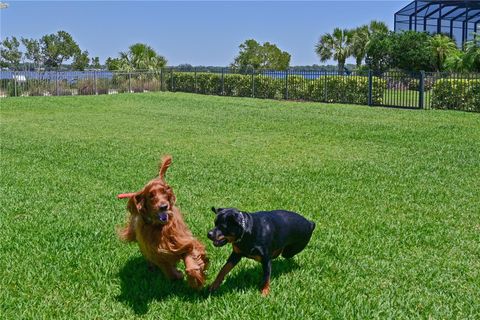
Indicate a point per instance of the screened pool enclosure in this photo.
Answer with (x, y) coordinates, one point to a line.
(458, 19)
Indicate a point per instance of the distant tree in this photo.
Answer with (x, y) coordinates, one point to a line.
(454, 61)
(112, 64)
(57, 48)
(80, 61)
(441, 47)
(276, 59)
(377, 27)
(471, 58)
(33, 52)
(467, 60)
(407, 50)
(96, 63)
(378, 52)
(336, 45)
(410, 51)
(361, 38)
(10, 54)
(139, 57)
(254, 55)
(185, 67)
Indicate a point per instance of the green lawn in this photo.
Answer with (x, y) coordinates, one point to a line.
(395, 195)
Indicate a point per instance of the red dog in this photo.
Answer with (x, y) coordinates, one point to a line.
(158, 227)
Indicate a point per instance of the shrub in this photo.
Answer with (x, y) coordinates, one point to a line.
(239, 85)
(456, 94)
(209, 83)
(182, 81)
(297, 87)
(85, 86)
(414, 84)
(102, 86)
(40, 87)
(12, 89)
(346, 89)
(206, 83)
(268, 87)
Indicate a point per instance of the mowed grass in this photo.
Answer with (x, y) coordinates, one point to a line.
(395, 195)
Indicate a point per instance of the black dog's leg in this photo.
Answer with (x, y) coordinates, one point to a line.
(294, 248)
(231, 262)
(291, 250)
(267, 270)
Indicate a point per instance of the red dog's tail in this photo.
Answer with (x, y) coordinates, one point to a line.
(166, 162)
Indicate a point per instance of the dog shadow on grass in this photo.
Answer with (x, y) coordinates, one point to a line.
(249, 277)
(140, 287)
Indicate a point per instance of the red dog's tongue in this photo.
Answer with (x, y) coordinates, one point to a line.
(125, 195)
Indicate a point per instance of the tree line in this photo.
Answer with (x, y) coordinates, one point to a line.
(49, 52)
(373, 46)
(376, 48)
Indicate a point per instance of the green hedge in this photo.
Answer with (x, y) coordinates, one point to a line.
(456, 94)
(340, 89)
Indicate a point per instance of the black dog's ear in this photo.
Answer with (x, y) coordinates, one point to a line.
(217, 210)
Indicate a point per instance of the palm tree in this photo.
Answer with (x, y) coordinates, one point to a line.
(454, 61)
(377, 27)
(141, 57)
(362, 36)
(471, 58)
(336, 45)
(442, 47)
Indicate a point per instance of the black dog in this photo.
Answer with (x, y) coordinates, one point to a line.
(262, 236)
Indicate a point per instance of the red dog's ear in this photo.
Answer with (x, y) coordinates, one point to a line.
(135, 204)
(171, 195)
(126, 195)
(166, 162)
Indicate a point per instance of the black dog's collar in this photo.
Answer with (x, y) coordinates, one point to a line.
(243, 222)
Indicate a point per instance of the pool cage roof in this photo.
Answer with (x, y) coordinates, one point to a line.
(459, 19)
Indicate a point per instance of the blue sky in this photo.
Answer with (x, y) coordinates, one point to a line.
(195, 32)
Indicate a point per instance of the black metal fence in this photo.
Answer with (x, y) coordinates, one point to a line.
(392, 89)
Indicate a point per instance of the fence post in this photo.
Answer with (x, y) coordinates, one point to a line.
(171, 81)
(223, 81)
(95, 81)
(195, 83)
(421, 90)
(15, 83)
(56, 83)
(129, 82)
(286, 84)
(253, 83)
(325, 87)
(370, 88)
(161, 79)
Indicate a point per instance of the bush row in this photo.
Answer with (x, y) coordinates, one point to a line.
(87, 86)
(459, 94)
(344, 89)
(456, 94)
